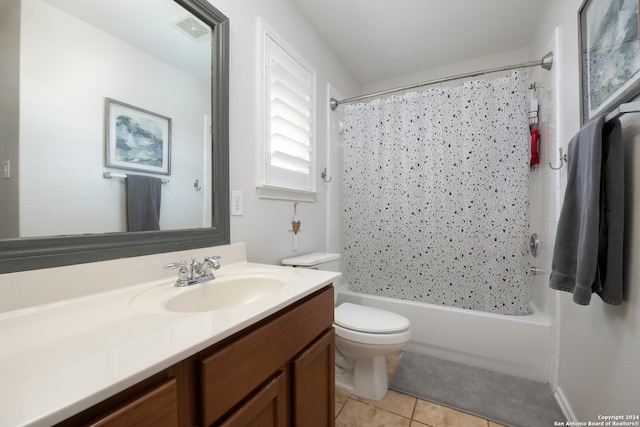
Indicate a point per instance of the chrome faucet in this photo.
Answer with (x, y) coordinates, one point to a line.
(196, 272)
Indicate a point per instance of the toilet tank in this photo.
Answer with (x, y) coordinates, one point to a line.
(317, 261)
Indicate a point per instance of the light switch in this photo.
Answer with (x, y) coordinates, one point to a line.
(6, 169)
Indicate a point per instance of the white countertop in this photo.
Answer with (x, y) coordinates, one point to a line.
(60, 358)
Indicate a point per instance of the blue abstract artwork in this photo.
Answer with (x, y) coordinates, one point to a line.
(610, 53)
(137, 139)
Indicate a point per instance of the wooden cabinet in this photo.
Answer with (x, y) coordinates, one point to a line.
(277, 372)
(314, 384)
(266, 408)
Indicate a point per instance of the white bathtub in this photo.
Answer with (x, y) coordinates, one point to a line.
(512, 345)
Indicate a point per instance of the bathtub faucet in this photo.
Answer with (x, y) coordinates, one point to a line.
(535, 271)
(197, 272)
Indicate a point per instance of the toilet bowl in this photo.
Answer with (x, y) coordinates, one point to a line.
(363, 336)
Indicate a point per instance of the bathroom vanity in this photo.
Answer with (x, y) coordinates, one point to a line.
(278, 372)
(119, 357)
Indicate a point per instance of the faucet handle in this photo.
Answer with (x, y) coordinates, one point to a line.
(173, 265)
(183, 274)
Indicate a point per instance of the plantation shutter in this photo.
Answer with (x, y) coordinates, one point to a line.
(289, 119)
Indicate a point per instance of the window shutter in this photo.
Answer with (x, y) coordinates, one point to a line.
(289, 134)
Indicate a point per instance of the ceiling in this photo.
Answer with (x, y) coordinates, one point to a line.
(381, 39)
(153, 34)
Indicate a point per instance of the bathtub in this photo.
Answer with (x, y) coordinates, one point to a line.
(512, 345)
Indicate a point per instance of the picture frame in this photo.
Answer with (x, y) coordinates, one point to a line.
(137, 139)
(609, 54)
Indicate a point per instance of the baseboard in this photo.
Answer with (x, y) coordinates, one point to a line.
(564, 405)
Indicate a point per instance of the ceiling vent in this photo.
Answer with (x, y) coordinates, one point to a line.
(191, 26)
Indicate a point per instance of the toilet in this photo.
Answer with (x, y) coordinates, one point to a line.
(364, 336)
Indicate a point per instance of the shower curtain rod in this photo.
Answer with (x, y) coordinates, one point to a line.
(546, 62)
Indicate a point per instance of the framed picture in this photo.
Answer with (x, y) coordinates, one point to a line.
(137, 139)
(609, 54)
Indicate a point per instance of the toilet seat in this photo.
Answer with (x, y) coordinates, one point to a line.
(370, 320)
(364, 338)
(368, 325)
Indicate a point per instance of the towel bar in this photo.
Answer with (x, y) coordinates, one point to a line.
(109, 175)
(629, 107)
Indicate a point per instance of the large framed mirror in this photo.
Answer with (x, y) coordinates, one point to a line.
(57, 87)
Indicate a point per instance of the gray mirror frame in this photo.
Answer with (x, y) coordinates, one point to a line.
(35, 253)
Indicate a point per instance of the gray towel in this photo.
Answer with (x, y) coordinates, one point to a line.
(143, 202)
(587, 256)
(611, 242)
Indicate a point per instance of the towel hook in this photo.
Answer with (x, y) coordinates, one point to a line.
(563, 158)
(323, 175)
(197, 186)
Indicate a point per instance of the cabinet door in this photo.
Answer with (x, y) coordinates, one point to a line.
(244, 362)
(314, 384)
(266, 408)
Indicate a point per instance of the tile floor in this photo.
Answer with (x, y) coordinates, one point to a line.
(400, 410)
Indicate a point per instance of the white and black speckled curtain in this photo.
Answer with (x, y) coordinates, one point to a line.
(435, 196)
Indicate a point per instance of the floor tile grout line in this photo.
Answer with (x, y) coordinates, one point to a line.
(342, 407)
(413, 411)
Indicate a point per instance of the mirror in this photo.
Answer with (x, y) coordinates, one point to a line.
(65, 152)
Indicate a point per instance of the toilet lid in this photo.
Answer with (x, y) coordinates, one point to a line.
(368, 319)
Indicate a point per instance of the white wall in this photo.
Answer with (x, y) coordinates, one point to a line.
(335, 168)
(516, 56)
(597, 368)
(62, 126)
(265, 223)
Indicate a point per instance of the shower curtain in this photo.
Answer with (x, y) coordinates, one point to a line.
(435, 196)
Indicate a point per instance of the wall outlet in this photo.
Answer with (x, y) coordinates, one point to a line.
(236, 203)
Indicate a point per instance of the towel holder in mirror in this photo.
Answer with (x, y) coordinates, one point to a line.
(110, 175)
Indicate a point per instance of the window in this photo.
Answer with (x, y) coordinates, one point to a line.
(287, 163)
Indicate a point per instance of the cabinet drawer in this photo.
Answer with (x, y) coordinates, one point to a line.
(155, 408)
(248, 360)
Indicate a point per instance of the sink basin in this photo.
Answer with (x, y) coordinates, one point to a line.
(228, 290)
(230, 293)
